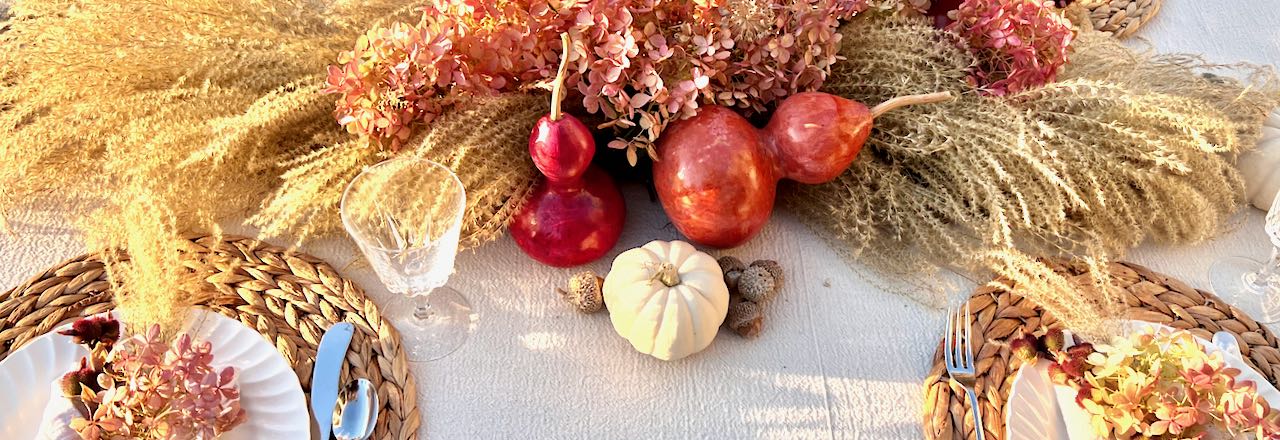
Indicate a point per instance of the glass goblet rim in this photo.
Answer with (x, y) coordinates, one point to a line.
(359, 236)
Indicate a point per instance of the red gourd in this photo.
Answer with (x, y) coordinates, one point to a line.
(575, 215)
(717, 174)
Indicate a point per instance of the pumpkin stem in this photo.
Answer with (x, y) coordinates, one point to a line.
(667, 275)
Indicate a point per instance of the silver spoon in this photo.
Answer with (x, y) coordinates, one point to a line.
(360, 413)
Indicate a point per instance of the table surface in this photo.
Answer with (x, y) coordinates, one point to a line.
(839, 357)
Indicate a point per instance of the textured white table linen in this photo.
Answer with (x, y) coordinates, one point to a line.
(839, 357)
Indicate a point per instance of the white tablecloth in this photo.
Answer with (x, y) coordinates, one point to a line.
(839, 357)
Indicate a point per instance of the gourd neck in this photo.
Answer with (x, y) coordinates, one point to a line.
(668, 275)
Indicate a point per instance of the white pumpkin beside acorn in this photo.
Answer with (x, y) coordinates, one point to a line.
(666, 298)
(1260, 168)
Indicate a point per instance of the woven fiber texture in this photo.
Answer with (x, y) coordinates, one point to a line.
(290, 298)
(1000, 316)
(1122, 18)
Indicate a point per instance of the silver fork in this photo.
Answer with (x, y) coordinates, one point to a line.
(957, 351)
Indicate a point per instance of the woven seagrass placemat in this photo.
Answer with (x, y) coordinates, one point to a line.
(1121, 18)
(288, 297)
(1000, 317)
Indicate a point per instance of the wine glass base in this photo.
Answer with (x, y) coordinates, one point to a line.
(1229, 278)
(426, 337)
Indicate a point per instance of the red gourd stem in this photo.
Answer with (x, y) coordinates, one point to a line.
(557, 94)
(902, 101)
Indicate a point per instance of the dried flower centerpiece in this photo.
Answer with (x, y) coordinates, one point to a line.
(640, 64)
(142, 387)
(1162, 384)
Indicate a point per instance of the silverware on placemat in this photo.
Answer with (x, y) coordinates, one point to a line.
(957, 351)
(360, 414)
(324, 376)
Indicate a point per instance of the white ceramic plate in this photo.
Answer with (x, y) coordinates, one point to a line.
(269, 390)
(1034, 412)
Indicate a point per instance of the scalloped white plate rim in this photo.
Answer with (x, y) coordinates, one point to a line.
(270, 391)
(1033, 412)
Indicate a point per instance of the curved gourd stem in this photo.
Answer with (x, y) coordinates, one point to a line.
(557, 92)
(903, 101)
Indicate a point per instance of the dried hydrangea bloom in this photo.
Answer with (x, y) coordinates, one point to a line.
(1158, 383)
(154, 390)
(638, 63)
(1019, 44)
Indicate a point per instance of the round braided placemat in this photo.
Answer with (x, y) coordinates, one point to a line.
(1121, 18)
(288, 297)
(1000, 316)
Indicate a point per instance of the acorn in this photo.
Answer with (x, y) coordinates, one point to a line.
(757, 284)
(745, 318)
(774, 269)
(732, 268)
(585, 292)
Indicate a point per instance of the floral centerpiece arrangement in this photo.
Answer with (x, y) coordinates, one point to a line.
(1159, 383)
(1056, 140)
(141, 387)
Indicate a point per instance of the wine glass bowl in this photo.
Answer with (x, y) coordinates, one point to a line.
(1253, 286)
(406, 216)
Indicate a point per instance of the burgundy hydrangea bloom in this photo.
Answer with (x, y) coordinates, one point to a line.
(1019, 44)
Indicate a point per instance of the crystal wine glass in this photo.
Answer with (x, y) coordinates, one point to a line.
(406, 215)
(1249, 285)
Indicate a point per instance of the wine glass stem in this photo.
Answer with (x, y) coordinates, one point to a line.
(421, 309)
(1267, 275)
(422, 312)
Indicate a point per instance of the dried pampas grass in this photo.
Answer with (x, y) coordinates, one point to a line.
(172, 116)
(1124, 148)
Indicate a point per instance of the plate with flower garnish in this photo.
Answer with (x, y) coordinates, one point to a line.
(1152, 382)
(218, 379)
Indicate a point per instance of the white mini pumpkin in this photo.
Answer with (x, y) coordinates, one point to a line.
(1261, 167)
(666, 298)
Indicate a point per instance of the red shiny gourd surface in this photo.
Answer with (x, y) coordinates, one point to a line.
(569, 225)
(715, 177)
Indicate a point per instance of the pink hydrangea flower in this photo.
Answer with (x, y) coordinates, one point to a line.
(1019, 44)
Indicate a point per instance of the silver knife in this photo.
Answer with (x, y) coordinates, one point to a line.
(324, 376)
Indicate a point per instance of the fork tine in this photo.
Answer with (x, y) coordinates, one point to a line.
(946, 341)
(968, 337)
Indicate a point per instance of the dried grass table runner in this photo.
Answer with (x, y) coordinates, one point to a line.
(288, 297)
(1000, 316)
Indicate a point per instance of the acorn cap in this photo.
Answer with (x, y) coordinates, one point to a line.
(732, 268)
(585, 292)
(757, 284)
(774, 269)
(745, 318)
